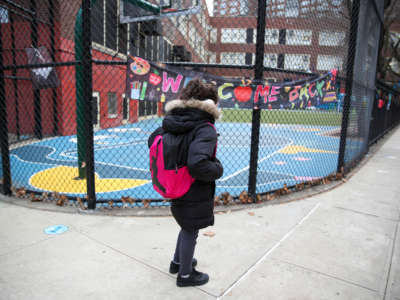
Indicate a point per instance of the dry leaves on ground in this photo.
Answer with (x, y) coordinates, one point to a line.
(209, 233)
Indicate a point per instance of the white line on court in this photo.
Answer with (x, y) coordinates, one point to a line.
(253, 267)
(260, 160)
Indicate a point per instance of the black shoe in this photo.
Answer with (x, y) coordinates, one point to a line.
(195, 278)
(174, 267)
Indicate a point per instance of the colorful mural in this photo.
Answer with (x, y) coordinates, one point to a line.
(147, 81)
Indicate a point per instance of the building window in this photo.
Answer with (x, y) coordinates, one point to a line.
(292, 8)
(213, 35)
(233, 35)
(249, 59)
(271, 36)
(203, 21)
(106, 29)
(395, 65)
(331, 38)
(112, 104)
(394, 37)
(329, 62)
(298, 37)
(111, 24)
(98, 22)
(192, 36)
(305, 9)
(234, 11)
(297, 62)
(243, 8)
(212, 58)
(182, 25)
(270, 60)
(232, 58)
(3, 15)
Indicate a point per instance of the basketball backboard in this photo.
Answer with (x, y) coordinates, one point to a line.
(145, 10)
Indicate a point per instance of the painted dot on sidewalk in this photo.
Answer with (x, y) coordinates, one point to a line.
(56, 229)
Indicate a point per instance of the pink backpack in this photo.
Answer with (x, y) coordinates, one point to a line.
(170, 184)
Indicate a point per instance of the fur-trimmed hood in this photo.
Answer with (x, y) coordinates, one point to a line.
(205, 105)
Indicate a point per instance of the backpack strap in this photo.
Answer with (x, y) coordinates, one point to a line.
(154, 167)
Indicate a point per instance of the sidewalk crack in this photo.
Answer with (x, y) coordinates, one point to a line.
(365, 214)
(325, 274)
(391, 261)
(268, 252)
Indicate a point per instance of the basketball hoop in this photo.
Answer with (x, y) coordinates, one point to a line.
(140, 10)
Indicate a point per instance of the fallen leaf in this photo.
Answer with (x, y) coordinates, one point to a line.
(251, 213)
(209, 233)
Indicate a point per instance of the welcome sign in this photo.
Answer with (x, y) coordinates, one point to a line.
(147, 81)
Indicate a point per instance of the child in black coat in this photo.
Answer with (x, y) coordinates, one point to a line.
(191, 116)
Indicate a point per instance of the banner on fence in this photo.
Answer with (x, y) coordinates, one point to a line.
(44, 77)
(147, 81)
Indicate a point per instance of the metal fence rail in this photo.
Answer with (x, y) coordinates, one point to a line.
(84, 83)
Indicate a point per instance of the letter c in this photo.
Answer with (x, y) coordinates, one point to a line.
(220, 91)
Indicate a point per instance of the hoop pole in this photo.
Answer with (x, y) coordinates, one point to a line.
(256, 117)
(84, 88)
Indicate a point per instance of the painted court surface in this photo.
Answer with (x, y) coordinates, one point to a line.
(288, 154)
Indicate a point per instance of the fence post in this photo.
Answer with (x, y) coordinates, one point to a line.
(53, 58)
(5, 152)
(256, 116)
(87, 85)
(351, 53)
(14, 73)
(36, 92)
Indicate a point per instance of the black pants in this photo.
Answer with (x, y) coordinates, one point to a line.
(185, 250)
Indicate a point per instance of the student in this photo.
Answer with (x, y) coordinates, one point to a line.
(186, 128)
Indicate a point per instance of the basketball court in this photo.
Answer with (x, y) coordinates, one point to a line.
(288, 154)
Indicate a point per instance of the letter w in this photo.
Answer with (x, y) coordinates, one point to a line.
(169, 82)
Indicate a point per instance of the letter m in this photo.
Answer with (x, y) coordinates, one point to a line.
(263, 91)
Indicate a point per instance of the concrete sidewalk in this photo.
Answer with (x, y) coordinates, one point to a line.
(342, 244)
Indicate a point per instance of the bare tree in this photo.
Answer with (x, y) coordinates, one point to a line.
(389, 55)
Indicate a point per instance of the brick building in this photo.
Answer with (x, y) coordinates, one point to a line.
(304, 35)
(23, 21)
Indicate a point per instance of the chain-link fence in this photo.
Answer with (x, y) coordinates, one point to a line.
(385, 111)
(84, 83)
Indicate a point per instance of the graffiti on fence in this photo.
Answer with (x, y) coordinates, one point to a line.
(147, 81)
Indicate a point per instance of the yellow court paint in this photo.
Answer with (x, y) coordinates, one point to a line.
(304, 129)
(61, 179)
(294, 149)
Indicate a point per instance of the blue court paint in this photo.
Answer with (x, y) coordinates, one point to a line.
(122, 152)
(56, 229)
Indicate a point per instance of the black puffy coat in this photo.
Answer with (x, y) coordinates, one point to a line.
(187, 125)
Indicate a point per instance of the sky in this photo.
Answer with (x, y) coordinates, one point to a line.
(210, 5)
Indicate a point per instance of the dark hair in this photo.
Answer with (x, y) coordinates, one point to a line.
(197, 89)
